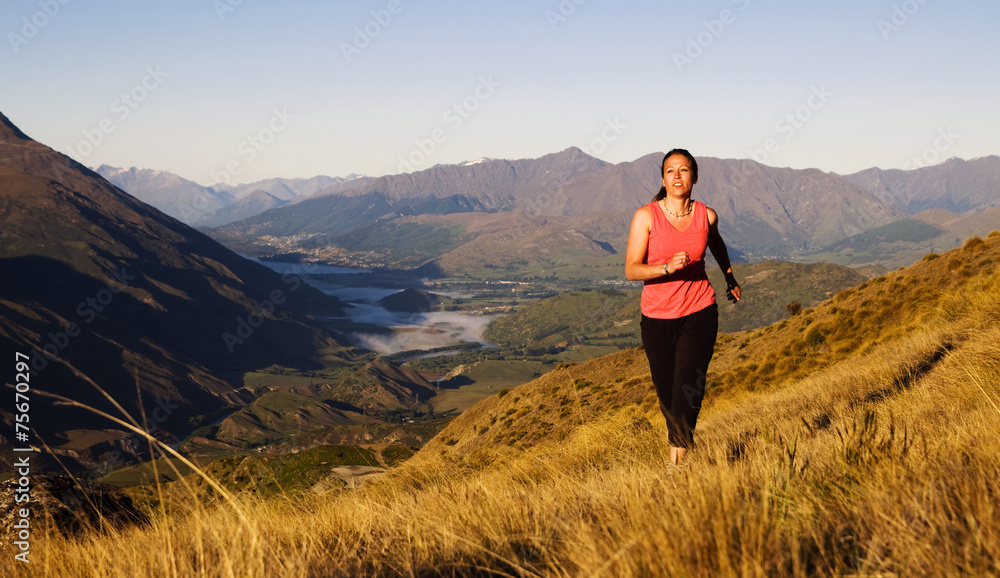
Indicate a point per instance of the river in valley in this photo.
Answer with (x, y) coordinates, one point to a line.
(398, 331)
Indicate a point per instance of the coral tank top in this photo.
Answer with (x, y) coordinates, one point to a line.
(687, 291)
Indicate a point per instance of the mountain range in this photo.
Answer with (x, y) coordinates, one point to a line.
(955, 185)
(100, 289)
(570, 201)
(197, 205)
(287, 189)
(566, 199)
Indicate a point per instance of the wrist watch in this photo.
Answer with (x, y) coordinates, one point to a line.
(665, 269)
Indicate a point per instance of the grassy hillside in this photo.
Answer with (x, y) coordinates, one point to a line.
(857, 438)
(770, 286)
(573, 316)
(904, 241)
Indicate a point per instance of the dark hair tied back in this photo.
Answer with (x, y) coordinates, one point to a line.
(694, 169)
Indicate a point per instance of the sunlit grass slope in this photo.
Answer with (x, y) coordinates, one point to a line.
(860, 437)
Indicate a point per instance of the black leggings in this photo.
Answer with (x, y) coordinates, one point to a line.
(679, 351)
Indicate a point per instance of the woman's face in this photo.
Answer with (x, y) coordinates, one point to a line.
(677, 176)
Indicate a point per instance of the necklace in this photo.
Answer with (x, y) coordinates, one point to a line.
(676, 216)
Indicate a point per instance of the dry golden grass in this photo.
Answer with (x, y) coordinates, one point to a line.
(879, 460)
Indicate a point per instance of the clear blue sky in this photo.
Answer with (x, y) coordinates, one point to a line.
(859, 94)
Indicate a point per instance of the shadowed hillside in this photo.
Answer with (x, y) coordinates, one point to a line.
(99, 288)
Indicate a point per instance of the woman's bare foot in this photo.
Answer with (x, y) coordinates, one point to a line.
(676, 455)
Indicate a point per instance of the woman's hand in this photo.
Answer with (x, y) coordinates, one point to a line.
(678, 262)
(733, 291)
